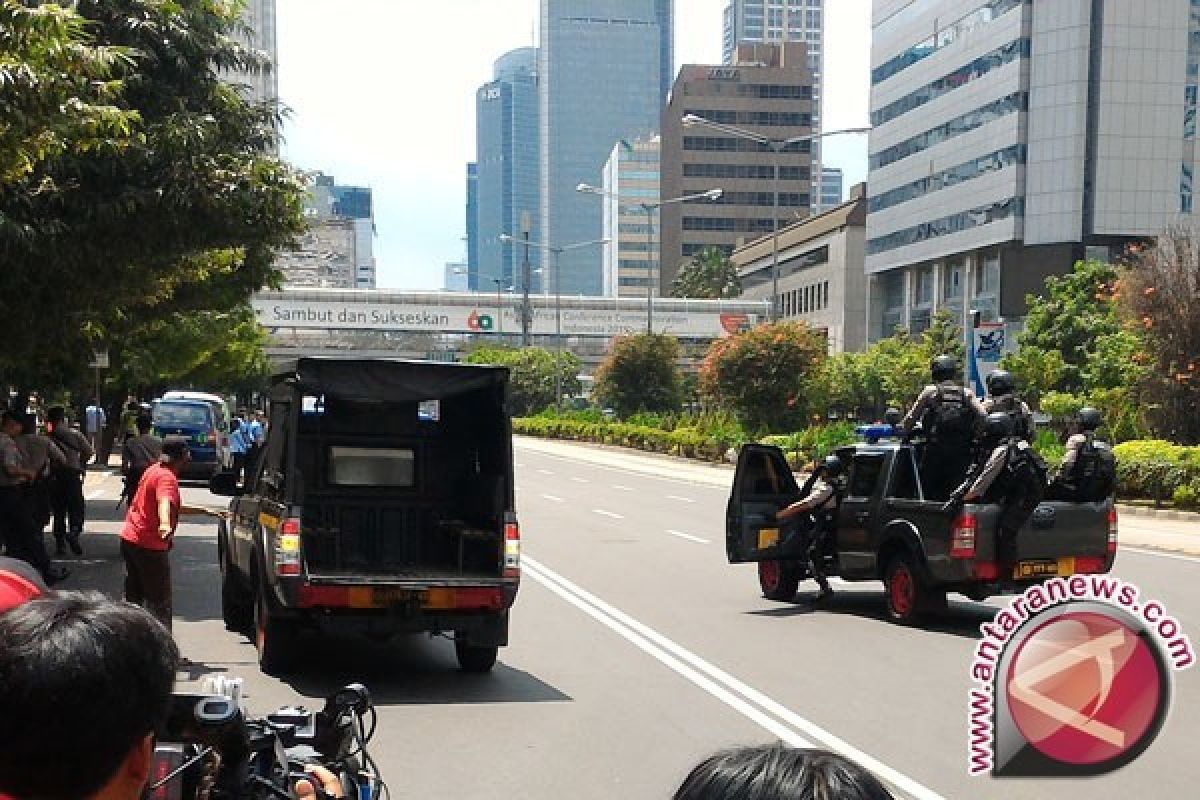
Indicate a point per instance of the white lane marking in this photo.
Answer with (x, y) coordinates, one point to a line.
(621, 488)
(604, 513)
(518, 464)
(1157, 554)
(552, 498)
(581, 480)
(689, 537)
(647, 473)
(680, 499)
(545, 472)
(94, 495)
(771, 715)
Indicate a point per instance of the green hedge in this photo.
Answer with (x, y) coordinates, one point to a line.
(1158, 470)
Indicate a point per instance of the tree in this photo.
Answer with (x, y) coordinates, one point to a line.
(532, 383)
(640, 373)
(1160, 291)
(764, 375)
(186, 214)
(710, 275)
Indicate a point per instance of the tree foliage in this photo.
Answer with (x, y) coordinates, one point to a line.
(764, 374)
(183, 214)
(710, 275)
(532, 384)
(641, 373)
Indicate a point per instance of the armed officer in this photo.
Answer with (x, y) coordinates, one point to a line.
(820, 505)
(1002, 396)
(1088, 471)
(950, 416)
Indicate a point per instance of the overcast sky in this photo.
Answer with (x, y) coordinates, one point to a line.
(382, 94)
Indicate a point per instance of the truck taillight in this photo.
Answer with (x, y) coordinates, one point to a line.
(512, 548)
(287, 548)
(1112, 531)
(962, 536)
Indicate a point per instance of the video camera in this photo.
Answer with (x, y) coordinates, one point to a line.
(208, 750)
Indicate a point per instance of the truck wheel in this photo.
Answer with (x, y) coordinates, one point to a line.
(475, 659)
(909, 600)
(235, 605)
(274, 639)
(778, 580)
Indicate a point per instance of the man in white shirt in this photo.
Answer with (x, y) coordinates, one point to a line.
(95, 421)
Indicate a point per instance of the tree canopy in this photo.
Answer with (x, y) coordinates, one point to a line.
(641, 374)
(532, 374)
(710, 275)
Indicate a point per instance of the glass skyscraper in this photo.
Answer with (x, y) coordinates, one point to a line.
(473, 220)
(605, 69)
(506, 113)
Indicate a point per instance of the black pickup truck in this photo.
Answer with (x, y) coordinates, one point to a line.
(887, 530)
(382, 504)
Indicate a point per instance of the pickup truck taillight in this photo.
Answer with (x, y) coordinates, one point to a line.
(287, 548)
(962, 536)
(512, 547)
(1112, 531)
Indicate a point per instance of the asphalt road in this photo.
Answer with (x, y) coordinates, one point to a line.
(636, 651)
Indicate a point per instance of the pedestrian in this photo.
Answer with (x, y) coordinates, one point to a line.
(257, 435)
(1013, 477)
(950, 417)
(95, 421)
(149, 532)
(817, 512)
(778, 772)
(129, 417)
(18, 530)
(1002, 396)
(43, 457)
(238, 448)
(67, 492)
(138, 455)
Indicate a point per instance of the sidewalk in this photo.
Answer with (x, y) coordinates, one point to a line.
(1174, 531)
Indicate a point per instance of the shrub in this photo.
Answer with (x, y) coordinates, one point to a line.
(1186, 496)
(532, 374)
(641, 374)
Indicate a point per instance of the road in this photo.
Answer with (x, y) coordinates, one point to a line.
(636, 651)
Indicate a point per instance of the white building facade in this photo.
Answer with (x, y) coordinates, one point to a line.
(631, 177)
(1012, 138)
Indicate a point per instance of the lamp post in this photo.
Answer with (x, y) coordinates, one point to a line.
(499, 307)
(777, 147)
(558, 337)
(649, 209)
(526, 310)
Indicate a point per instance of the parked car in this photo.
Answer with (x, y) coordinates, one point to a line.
(384, 505)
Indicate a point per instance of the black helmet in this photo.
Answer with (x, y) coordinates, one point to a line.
(1090, 419)
(833, 466)
(944, 368)
(999, 425)
(893, 416)
(1001, 382)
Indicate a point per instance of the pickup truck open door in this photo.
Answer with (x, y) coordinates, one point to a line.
(762, 484)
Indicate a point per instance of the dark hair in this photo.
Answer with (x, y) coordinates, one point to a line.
(175, 450)
(82, 678)
(12, 416)
(144, 423)
(778, 772)
(56, 414)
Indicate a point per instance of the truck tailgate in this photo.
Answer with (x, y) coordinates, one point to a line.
(1057, 529)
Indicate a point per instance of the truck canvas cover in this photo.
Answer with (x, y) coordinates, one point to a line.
(389, 380)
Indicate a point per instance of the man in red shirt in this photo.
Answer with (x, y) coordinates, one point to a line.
(149, 532)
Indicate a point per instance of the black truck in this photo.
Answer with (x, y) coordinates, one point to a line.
(382, 503)
(888, 530)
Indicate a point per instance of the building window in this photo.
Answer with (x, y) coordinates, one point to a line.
(1018, 101)
(825, 292)
(955, 223)
(992, 162)
(1185, 189)
(920, 320)
(732, 145)
(952, 282)
(923, 287)
(927, 47)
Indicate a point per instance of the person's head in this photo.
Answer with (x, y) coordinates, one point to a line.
(999, 425)
(145, 423)
(56, 415)
(88, 680)
(834, 467)
(10, 423)
(1001, 383)
(1089, 419)
(944, 368)
(777, 772)
(175, 455)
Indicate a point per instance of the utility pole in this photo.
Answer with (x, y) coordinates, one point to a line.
(526, 308)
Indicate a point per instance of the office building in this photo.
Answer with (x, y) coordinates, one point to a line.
(338, 250)
(258, 17)
(604, 71)
(1013, 138)
(631, 177)
(506, 115)
(768, 91)
(821, 280)
(456, 276)
(830, 193)
(472, 211)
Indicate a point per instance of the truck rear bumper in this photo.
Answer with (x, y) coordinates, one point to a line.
(480, 630)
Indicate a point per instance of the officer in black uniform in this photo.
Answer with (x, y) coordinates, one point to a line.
(1002, 396)
(950, 416)
(820, 506)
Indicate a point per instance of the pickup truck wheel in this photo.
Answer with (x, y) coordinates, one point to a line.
(778, 580)
(475, 659)
(274, 639)
(906, 596)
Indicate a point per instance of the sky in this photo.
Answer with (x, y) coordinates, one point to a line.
(382, 94)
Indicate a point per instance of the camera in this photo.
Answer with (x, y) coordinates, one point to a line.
(207, 749)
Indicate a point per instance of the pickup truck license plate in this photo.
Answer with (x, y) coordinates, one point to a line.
(1043, 568)
(383, 597)
(767, 538)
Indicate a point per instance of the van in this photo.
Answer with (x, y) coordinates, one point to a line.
(198, 423)
(224, 417)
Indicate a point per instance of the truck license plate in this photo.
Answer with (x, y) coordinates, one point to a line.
(1035, 569)
(387, 597)
(768, 537)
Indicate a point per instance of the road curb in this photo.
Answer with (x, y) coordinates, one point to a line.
(1158, 513)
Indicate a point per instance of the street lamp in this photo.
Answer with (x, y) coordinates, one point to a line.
(558, 338)
(776, 146)
(711, 195)
(499, 307)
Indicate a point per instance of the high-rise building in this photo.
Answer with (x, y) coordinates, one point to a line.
(507, 156)
(1012, 138)
(768, 91)
(456, 277)
(604, 73)
(830, 193)
(338, 251)
(260, 33)
(473, 224)
(631, 177)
